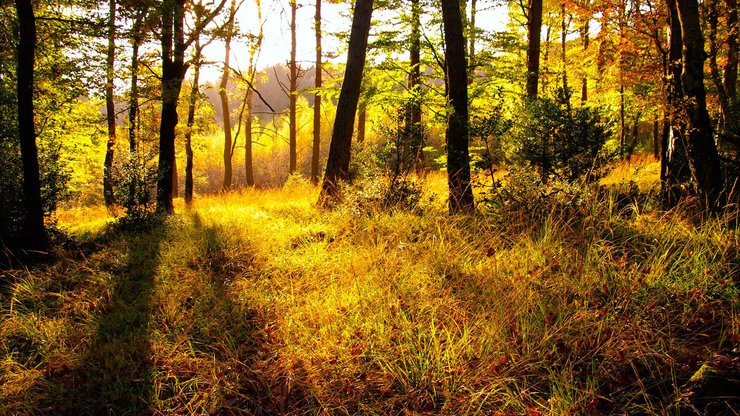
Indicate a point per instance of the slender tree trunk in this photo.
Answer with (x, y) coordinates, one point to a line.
(110, 107)
(337, 166)
(622, 131)
(731, 65)
(415, 78)
(255, 47)
(713, 17)
(458, 158)
(293, 88)
(534, 30)
(316, 148)
(133, 108)
(472, 39)
(224, 96)
(192, 102)
(563, 38)
(543, 78)
(584, 78)
(34, 213)
(703, 157)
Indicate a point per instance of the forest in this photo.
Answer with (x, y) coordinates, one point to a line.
(381, 207)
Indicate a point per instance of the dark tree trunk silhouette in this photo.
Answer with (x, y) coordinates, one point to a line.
(110, 107)
(133, 103)
(193, 100)
(337, 165)
(731, 64)
(254, 48)
(361, 123)
(293, 89)
(584, 78)
(316, 148)
(713, 18)
(35, 234)
(224, 96)
(458, 159)
(674, 163)
(173, 71)
(472, 37)
(702, 152)
(534, 29)
(415, 78)
(563, 48)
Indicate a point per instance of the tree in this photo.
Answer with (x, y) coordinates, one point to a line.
(702, 152)
(414, 117)
(34, 213)
(223, 94)
(534, 29)
(293, 89)
(316, 147)
(110, 106)
(255, 46)
(173, 72)
(337, 165)
(458, 158)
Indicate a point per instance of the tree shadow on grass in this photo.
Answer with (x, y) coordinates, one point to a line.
(114, 375)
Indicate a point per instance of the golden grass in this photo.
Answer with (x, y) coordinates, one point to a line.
(259, 302)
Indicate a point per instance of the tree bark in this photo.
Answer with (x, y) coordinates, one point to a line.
(534, 30)
(415, 78)
(133, 105)
(293, 89)
(110, 107)
(361, 123)
(702, 152)
(458, 159)
(337, 165)
(674, 163)
(34, 232)
(584, 78)
(316, 148)
(563, 46)
(224, 96)
(731, 65)
(190, 122)
(173, 72)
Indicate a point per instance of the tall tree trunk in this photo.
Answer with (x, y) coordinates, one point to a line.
(224, 96)
(110, 107)
(563, 38)
(703, 157)
(415, 78)
(458, 158)
(534, 30)
(471, 41)
(133, 106)
(713, 17)
(293, 88)
(584, 78)
(173, 72)
(316, 148)
(337, 166)
(254, 48)
(674, 163)
(193, 100)
(34, 213)
(731, 65)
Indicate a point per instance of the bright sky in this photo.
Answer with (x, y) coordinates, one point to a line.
(276, 43)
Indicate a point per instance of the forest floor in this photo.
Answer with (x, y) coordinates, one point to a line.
(259, 302)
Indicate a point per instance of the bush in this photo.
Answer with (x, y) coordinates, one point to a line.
(559, 140)
(382, 170)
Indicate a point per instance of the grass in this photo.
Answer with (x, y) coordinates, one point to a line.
(258, 302)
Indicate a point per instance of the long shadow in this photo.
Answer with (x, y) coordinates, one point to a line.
(114, 375)
(254, 387)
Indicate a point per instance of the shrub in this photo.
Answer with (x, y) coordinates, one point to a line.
(560, 140)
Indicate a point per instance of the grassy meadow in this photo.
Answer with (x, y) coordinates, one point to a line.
(258, 302)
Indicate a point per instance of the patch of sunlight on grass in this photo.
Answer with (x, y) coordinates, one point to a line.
(643, 170)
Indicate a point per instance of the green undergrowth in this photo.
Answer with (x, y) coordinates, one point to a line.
(258, 302)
